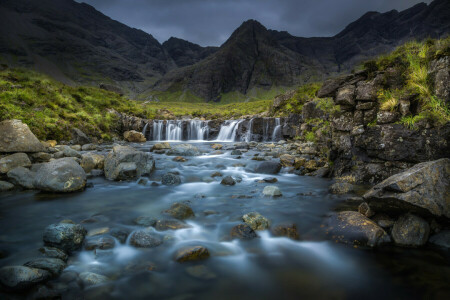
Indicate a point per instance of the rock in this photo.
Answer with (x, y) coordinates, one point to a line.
(184, 150)
(384, 117)
(70, 152)
(228, 180)
(383, 220)
(162, 225)
(366, 91)
(256, 221)
(365, 210)
(90, 279)
(216, 174)
(310, 110)
(351, 227)
(99, 242)
(439, 75)
(121, 234)
(79, 137)
(200, 272)
(341, 188)
(145, 239)
(287, 160)
(269, 180)
(236, 152)
(180, 211)
(65, 236)
(243, 232)
(90, 161)
(12, 161)
(22, 177)
(134, 136)
(272, 191)
(179, 159)
(41, 157)
(191, 253)
(61, 175)
(411, 231)
(124, 163)
(441, 239)
(76, 147)
(53, 265)
(6, 186)
(216, 146)
(17, 137)
(170, 179)
(268, 167)
(89, 147)
(145, 221)
(288, 230)
(423, 189)
(20, 278)
(160, 146)
(54, 253)
(345, 96)
(98, 231)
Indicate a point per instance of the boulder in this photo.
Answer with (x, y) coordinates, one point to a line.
(22, 177)
(439, 74)
(217, 146)
(17, 137)
(90, 279)
(79, 137)
(160, 146)
(162, 225)
(268, 167)
(70, 152)
(12, 161)
(243, 232)
(256, 221)
(341, 188)
(124, 162)
(191, 253)
(65, 236)
(287, 160)
(20, 278)
(288, 230)
(184, 150)
(272, 191)
(41, 157)
(6, 186)
(90, 161)
(145, 239)
(180, 211)
(54, 253)
(61, 175)
(411, 231)
(346, 96)
(351, 227)
(53, 265)
(385, 117)
(423, 189)
(170, 179)
(134, 136)
(228, 180)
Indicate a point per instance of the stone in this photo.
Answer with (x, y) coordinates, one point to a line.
(184, 150)
(310, 110)
(70, 152)
(17, 137)
(383, 220)
(134, 136)
(20, 278)
(180, 211)
(365, 210)
(228, 180)
(365, 105)
(160, 146)
(79, 137)
(54, 253)
(423, 189)
(341, 188)
(90, 279)
(170, 179)
(6, 186)
(89, 147)
(217, 146)
(121, 234)
(12, 161)
(53, 265)
(287, 160)
(351, 227)
(76, 147)
(441, 239)
(41, 157)
(98, 231)
(439, 75)
(216, 174)
(90, 161)
(236, 152)
(288, 230)
(22, 177)
(61, 175)
(410, 231)
(243, 232)
(256, 221)
(145, 221)
(65, 236)
(385, 117)
(99, 242)
(162, 225)
(346, 96)
(367, 90)
(179, 159)
(268, 167)
(269, 180)
(125, 163)
(191, 253)
(272, 191)
(145, 239)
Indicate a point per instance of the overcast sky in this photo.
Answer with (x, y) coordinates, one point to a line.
(210, 22)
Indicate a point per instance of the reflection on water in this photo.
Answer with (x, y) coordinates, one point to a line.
(267, 267)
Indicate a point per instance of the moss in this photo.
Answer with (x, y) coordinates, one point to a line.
(310, 136)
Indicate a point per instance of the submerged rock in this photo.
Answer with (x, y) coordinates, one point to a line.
(272, 191)
(228, 180)
(180, 211)
(191, 253)
(134, 136)
(288, 230)
(12, 161)
(20, 278)
(184, 150)
(411, 231)
(145, 221)
(268, 167)
(65, 236)
(53, 265)
(17, 137)
(256, 221)
(423, 189)
(162, 225)
(351, 227)
(170, 179)
(54, 253)
(124, 163)
(61, 175)
(145, 239)
(243, 232)
(90, 279)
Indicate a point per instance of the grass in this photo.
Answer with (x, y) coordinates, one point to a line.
(303, 94)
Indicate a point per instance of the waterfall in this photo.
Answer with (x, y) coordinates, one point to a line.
(198, 130)
(158, 127)
(174, 130)
(144, 131)
(228, 130)
(248, 135)
(276, 130)
(266, 126)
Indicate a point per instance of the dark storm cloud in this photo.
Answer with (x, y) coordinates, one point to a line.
(210, 22)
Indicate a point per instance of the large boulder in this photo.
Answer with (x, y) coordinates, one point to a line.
(411, 231)
(61, 175)
(22, 177)
(17, 137)
(125, 162)
(90, 161)
(12, 161)
(268, 167)
(423, 189)
(19, 278)
(134, 136)
(79, 137)
(184, 150)
(351, 227)
(65, 236)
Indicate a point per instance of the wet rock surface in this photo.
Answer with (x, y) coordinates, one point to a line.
(125, 163)
(17, 137)
(61, 175)
(411, 231)
(243, 232)
(145, 239)
(191, 253)
(65, 236)
(19, 278)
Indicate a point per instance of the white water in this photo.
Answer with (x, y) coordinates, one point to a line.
(248, 136)
(276, 130)
(198, 130)
(228, 131)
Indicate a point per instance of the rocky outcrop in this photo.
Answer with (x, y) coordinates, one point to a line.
(124, 163)
(61, 175)
(17, 137)
(134, 136)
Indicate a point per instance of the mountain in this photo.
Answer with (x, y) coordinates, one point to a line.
(77, 44)
(257, 58)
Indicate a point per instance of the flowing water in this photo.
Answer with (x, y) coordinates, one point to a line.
(267, 267)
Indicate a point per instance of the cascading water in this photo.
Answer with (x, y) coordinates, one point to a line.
(228, 130)
(174, 130)
(276, 130)
(158, 126)
(144, 131)
(198, 130)
(248, 135)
